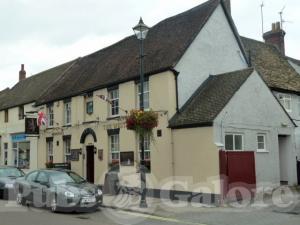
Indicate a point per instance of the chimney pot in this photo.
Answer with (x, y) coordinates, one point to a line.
(22, 73)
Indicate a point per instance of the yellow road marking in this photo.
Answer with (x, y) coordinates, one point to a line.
(160, 218)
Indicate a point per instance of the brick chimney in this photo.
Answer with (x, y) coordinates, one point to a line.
(227, 4)
(22, 73)
(276, 37)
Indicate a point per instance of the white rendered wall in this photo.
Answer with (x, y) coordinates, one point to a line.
(254, 110)
(215, 50)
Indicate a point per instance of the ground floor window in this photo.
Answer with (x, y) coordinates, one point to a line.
(114, 149)
(21, 154)
(234, 142)
(147, 151)
(49, 150)
(67, 149)
(261, 143)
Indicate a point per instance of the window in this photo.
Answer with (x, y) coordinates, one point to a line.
(146, 95)
(261, 143)
(21, 154)
(42, 178)
(234, 142)
(114, 99)
(114, 149)
(147, 152)
(6, 116)
(21, 112)
(67, 149)
(5, 153)
(49, 150)
(31, 176)
(50, 115)
(286, 101)
(67, 112)
(89, 107)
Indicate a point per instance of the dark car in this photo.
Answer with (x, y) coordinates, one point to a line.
(59, 190)
(8, 176)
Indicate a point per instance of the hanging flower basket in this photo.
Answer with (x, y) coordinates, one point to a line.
(142, 122)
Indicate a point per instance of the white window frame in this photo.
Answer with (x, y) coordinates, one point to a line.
(49, 150)
(115, 103)
(264, 142)
(146, 95)
(50, 115)
(67, 113)
(67, 149)
(114, 147)
(147, 148)
(285, 100)
(233, 136)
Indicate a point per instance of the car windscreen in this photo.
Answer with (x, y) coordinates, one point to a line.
(10, 172)
(66, 177)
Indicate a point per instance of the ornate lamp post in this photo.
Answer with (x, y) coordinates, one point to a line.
(141, 31)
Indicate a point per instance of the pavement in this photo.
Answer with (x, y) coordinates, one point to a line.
(124, 209)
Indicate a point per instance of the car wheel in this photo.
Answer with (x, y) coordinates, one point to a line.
(19, 199)
(53, 204)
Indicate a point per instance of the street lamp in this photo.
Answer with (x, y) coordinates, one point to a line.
(141, 31)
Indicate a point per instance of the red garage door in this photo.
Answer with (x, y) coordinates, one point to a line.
(237, 170)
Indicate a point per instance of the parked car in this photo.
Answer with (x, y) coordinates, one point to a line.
(8, 176)
(59, 190)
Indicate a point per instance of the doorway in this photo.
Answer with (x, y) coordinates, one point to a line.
(90, 171)
(284, 145)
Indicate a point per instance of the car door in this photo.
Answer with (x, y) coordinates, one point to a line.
(26, 185)
(40, 188)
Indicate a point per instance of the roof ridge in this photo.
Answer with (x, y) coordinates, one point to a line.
(232, 72)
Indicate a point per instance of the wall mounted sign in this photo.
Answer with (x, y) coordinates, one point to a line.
(127, 158)
(31, 126)
(100, 154)
(18, 137)
(75, 154)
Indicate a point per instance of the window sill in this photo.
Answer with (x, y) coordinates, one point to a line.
(67, 125)
(113, 117)
(262, 151)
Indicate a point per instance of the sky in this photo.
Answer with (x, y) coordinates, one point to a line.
(44, 33)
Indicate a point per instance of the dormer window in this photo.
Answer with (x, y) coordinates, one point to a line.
(286, 101)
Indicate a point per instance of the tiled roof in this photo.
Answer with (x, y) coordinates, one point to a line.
(3, 96)
(296, 61)
(272, 65)
(208, 101)
(166, 42)
(28, 90)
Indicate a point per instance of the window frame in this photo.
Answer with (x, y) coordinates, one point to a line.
(264, 142)
(233, 143)
(5, 153)
(146, 93)
(21, 112)
(50, 115)
(6, 116)
(68, 113)
(283, 99)
(49, 156)
(114, 106)
(115, 150)
(87, 107)
(67, 149)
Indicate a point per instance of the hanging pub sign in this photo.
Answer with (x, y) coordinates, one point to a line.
(31, 126)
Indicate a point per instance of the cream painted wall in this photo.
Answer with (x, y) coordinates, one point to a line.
(16, 126)
(162, 99)
(196, 160)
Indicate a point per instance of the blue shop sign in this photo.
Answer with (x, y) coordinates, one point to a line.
(18, 137)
